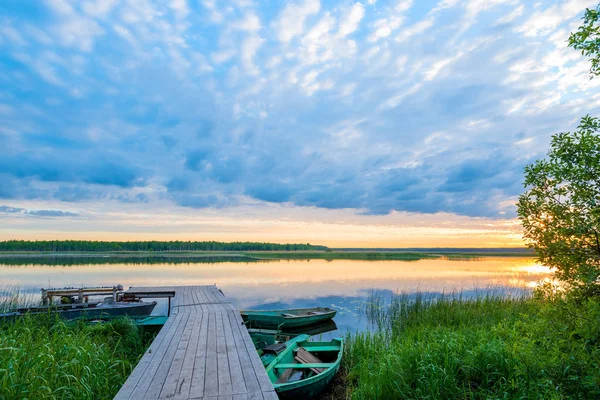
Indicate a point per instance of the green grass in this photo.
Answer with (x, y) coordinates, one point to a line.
(42, 357)
(492, 347)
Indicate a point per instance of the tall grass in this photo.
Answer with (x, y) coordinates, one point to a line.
(449, 347)
(44, 357)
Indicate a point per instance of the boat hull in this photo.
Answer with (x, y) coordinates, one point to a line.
(133, 309)
(306, 392)
(278, 318)
(314, 384)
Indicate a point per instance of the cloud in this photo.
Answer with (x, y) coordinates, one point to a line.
(37, 213)
(350, 21)
(373, 107)
(290, 22)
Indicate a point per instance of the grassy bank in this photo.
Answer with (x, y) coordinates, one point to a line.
(493, 347)
(44, 358)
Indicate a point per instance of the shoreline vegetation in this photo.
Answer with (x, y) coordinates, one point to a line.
(43, 357)
(18, 252)
(541, 346)
(46, 357)
(77, 258)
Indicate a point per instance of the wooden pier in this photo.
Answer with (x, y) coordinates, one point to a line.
(202, 352)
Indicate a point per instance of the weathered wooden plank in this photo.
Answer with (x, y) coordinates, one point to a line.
(250, 379)
(224, 376)
(170, 387)
(238, 384)
(146, 359)
(211, 383)
(270, 395)
(259, 369)
(162, 371)
(199, 370)
(184, 382)
(255, 396)
(203, 352)
(152, 367)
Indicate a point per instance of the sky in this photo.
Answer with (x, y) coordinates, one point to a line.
(345, 123)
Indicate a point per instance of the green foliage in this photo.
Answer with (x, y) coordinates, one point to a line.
(42, 357)
(486, 348)
(149, 246)
(560, 211)
(587, 39)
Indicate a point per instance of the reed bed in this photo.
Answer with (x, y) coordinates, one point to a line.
(44, 357)
(492, 346)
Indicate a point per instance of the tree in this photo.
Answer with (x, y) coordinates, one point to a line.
(560, 211)
(587, 39)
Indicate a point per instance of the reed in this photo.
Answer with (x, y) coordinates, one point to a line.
(491, 346)
(44, 357)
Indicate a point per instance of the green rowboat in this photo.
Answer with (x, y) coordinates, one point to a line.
(291, 318)
(304, 369)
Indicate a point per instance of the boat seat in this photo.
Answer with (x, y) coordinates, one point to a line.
(288, 315)
(304, 357)
(315, 313)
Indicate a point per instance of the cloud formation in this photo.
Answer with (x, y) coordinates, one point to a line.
(37, 213)
(377, 106)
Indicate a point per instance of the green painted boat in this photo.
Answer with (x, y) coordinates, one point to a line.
(291, 318)
(304, 369)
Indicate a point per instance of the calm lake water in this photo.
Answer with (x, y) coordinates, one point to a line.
(340, 284)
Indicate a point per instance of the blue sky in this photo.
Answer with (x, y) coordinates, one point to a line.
(372, 113)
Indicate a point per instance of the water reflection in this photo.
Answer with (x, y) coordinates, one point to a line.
(339, 284)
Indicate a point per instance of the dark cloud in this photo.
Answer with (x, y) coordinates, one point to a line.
(37, 213)
(442, 122)
(72, 167)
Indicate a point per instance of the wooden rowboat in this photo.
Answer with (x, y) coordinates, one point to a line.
(304, 369)
(291, 318)
(86, 310)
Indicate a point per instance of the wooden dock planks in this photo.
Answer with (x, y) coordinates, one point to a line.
(202, 352)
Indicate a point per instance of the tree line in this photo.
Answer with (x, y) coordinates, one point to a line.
(92, 246)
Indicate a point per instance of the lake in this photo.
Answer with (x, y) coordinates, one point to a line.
(339, 284)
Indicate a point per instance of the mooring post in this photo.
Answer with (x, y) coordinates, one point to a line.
(44, 297)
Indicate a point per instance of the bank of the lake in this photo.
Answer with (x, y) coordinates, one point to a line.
(43, 357)
(544, 347)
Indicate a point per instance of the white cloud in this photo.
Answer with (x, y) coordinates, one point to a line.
(415, 29)
(349, 22)
(403, 5)
(544, 22)
(439, 66)
(215, 15)
(73, 29)
(516, 13)
(98, 8)
(14, 37)
(222, 56)
(290, 22)
(250, 23)
(249, 48)
(180, 8)
(384, 27)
